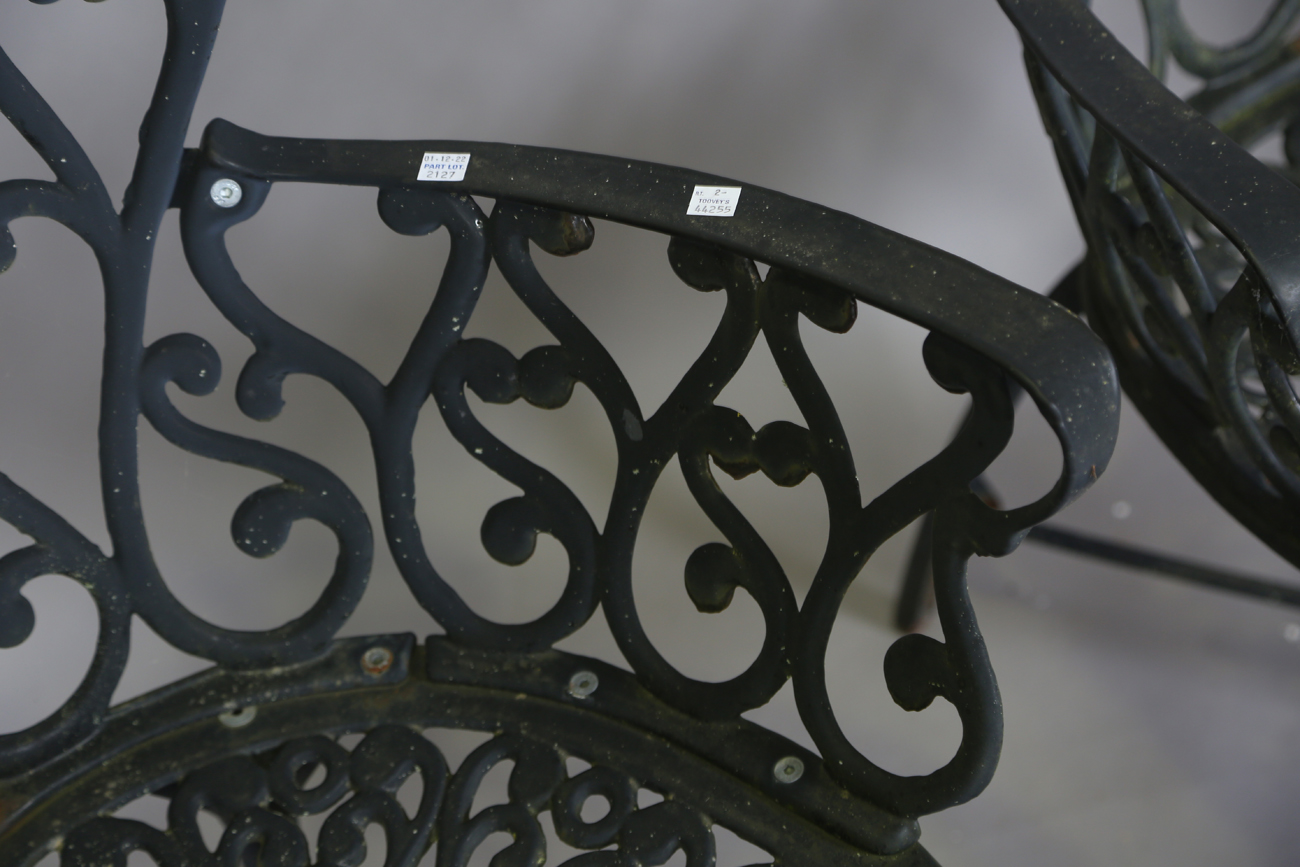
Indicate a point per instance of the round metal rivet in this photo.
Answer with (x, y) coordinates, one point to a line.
(788, 769)
(583, 684)
(376, 661)
(238, 718)
(226, 193)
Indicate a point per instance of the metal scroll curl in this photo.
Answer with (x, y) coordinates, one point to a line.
(261, 524)
(59, 550)
(917, 668)
(122, 243)
(258, 800)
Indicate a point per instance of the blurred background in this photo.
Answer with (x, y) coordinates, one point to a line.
(1146, 722)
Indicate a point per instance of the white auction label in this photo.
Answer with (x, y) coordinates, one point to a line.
(443, 167)
(714, 202)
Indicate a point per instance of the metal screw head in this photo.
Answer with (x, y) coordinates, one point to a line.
(788, 769)
(376, 661)
(583, 684)
(237, 718)
(226, 193)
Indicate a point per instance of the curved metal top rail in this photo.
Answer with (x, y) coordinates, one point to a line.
(1255, 208)
(1049, 351)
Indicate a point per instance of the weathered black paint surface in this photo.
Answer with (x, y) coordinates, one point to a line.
(655, 726)
(1193, 269)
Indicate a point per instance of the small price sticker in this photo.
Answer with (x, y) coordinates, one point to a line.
(443, 167)
(714, 202)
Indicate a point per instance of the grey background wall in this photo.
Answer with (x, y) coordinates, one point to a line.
(1146, 722)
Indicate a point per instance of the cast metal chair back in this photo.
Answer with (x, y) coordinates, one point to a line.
(242, 739)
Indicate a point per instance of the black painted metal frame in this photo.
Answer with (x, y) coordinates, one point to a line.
(240, 739)
(1192, 275)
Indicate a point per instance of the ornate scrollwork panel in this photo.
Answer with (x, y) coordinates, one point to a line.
(985, 334)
